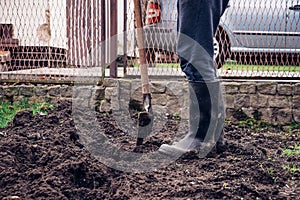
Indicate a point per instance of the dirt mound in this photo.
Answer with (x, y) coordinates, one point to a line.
(41, 158)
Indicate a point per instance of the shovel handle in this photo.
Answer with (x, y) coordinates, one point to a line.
(140, 40)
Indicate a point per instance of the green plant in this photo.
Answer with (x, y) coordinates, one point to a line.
(270, 171)
(176, 116)
(9, 110)
(249, 122)
(292, 152)
(292, 169)
(293, 127)
(42, 108)
(254, 123)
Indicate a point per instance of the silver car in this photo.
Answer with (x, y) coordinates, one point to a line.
(249, 29)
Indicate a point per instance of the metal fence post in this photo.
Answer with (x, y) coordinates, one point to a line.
(125, 37)
(113, 39)
(103, 38)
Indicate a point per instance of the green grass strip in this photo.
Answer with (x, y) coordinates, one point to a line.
(9, 110)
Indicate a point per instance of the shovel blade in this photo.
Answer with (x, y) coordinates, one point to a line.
(145, 120)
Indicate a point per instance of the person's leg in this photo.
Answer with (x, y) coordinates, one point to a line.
(197, 22)
(206, 117)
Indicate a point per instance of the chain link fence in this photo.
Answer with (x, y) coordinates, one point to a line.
(62, 39)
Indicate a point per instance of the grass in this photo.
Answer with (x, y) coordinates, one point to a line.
(267, 68)
(9, 110)
(234, 66)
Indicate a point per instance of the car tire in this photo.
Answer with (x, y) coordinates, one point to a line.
(221, 48)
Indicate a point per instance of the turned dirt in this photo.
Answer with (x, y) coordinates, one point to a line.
(42, 158)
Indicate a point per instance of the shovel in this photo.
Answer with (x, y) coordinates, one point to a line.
(145, 118)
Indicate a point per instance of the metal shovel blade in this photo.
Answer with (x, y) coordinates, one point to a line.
(145, 120)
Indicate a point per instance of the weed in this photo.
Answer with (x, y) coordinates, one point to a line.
(293, 169)
(254, 123)
(176, 116)
(293, 127)
(292, 152)
(270, 171)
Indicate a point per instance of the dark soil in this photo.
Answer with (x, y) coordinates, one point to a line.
(42, 158)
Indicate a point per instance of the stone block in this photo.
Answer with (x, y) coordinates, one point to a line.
(285, 89)
(230, 115)
(296, 102)
(41, 90)
(11, 91)
(124, 85)
(229, 101)
(54, 91)
(80, 103)
(158, 87)
(159, 99)
(109, 82)
(241, 101)
(266, 114)
(124, 105)
(231, 88)
(297, 89)
(111, 92)
(105, 106)
(267, 88)
(175, 88)
(115, 104)
(124, 90)
(296, 115)
(279, 102)
(259, 101)
(26, 91)
(248, 111)
(281, 116)
(174, 104)
(66, 91)
(135, 84)
(136, 93)
(247, 88)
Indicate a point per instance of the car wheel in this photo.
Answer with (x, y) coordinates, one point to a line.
(221, 48)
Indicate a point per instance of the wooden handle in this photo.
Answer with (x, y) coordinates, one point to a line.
(146, 89)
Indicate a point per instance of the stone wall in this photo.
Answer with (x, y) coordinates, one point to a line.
(270, 101)
(274, 102)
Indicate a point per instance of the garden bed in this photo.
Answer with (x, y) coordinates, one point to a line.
(42, 158)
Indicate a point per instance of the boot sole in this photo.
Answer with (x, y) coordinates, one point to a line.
(172, 151)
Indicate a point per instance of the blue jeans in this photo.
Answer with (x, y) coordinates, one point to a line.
(197, 24)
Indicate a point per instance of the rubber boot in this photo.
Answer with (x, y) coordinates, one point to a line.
(221, 143)
(206, 113)
(220, 110)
